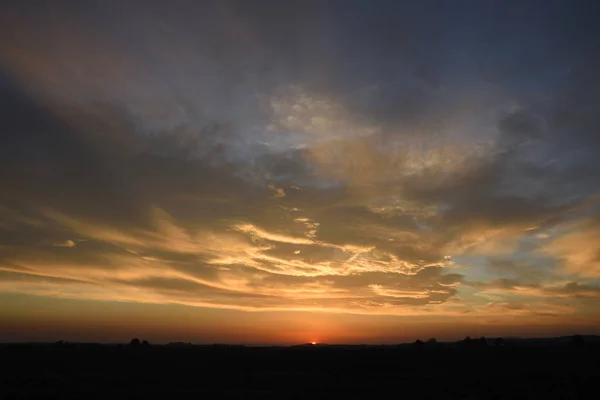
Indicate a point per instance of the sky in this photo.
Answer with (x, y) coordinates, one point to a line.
(280, 172)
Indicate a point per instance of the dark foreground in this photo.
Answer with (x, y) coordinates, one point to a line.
(525, 371)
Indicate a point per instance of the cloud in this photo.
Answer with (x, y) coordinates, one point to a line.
(577, 249)
(66, 243)
(515, 289)
(16, 277)
(259, 168)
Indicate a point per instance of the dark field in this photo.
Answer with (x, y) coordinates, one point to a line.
(523, 371)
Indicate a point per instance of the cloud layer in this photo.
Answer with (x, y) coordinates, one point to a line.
(324, 156)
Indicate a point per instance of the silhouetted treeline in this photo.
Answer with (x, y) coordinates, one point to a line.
(471, 368)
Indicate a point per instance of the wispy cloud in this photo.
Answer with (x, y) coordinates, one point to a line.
(66, 243)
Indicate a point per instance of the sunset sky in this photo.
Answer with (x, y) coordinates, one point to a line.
(293, 171)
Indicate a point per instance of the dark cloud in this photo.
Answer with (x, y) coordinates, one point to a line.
(193, 289)
(578, 290)
(46, 163)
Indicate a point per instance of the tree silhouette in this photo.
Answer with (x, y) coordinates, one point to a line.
(135, 342)
(577, 340)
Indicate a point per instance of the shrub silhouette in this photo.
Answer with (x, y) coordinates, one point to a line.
(135, 342)
(474, 343)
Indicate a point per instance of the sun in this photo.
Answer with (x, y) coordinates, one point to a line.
(313, 343)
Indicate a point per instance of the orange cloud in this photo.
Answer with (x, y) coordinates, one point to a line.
(578, 249)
